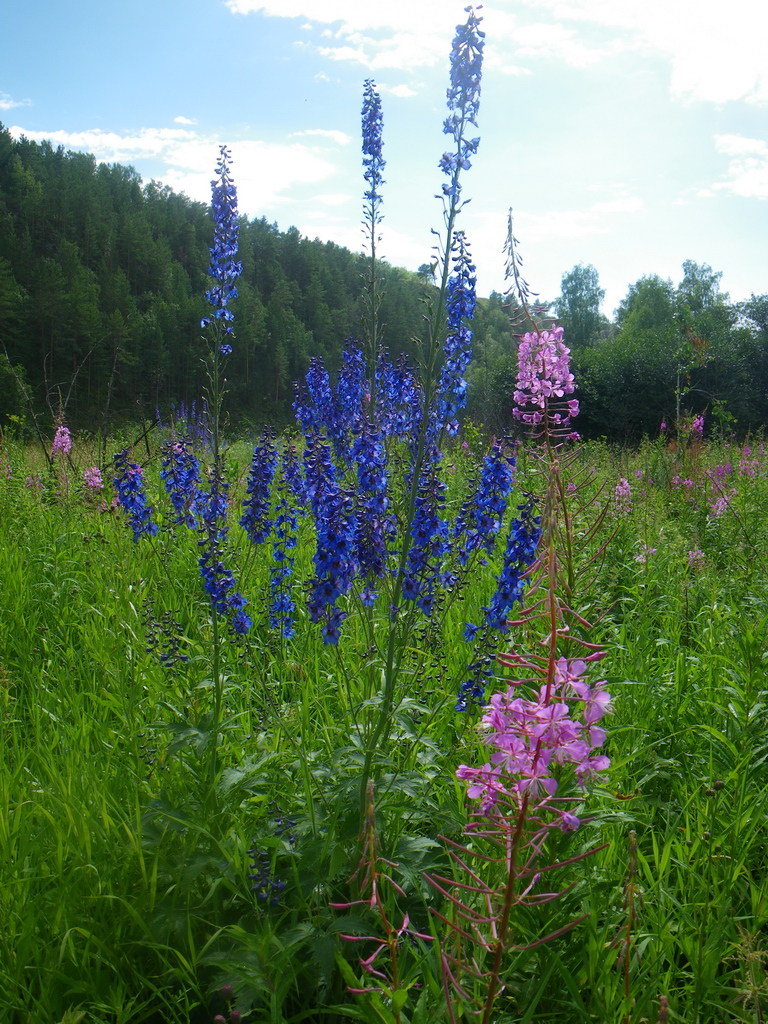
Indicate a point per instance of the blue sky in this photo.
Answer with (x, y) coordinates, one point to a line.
(630, 135)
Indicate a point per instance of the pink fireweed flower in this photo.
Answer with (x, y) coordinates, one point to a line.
(92, 479)
(722, 502)
(34, 483)
(530, 738)
(697, 427)
(62, 442)
(543, 377)
(696, 559)
(623, 496)
(645, 554)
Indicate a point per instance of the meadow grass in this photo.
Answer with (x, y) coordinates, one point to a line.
(127, 878)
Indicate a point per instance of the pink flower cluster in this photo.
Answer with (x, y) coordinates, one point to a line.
(697, 427)
(92, 479)
(696, 559)
(531, 738)
(645, 553)
(62, 442)
(543, 374)
(722, 502)
(623, 496)
(748, 466)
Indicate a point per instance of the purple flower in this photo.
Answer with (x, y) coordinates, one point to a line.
(532, 737)
(696, 559)
(62, 442)
(622, 494)
(92, 479)
(544, 377)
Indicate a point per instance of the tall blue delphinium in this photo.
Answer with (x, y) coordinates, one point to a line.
(430, 543)
(296, 483)
(398, 398)
(463, 100)
(375, 523)
(481, 516)
(224, 267)
(131, 496)
(181, 477)
(457, 348)
(282, 605)
(256, 520)
(218, 580)
(335, 558)
(373, 167)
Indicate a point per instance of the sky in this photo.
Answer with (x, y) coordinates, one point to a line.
(631, 135)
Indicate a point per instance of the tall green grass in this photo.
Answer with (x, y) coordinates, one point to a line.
(124, 880)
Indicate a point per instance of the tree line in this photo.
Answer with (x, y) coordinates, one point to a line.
(102, 280)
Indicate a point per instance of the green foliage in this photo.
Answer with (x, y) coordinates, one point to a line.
(124, 888)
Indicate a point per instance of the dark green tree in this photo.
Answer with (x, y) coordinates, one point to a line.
(578, 307)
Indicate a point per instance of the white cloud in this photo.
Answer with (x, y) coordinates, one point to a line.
(8, 103)
(398, 34)
(333, 199)
(403, 92)
(716, 54)
(265, 172)
(183, 120)
(560, 225)
(627, 204)
(112, 147)
(335, 136)
(747, 167)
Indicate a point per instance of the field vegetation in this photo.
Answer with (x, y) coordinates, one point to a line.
(390, 714)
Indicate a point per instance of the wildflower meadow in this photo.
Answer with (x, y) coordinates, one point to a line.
(378, 718)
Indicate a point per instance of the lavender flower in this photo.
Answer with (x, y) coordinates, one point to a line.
(544, 377)
(622, 495)
(62, 442)
(696, 559)
(92, 479)
(224, 267)
(531, 737)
